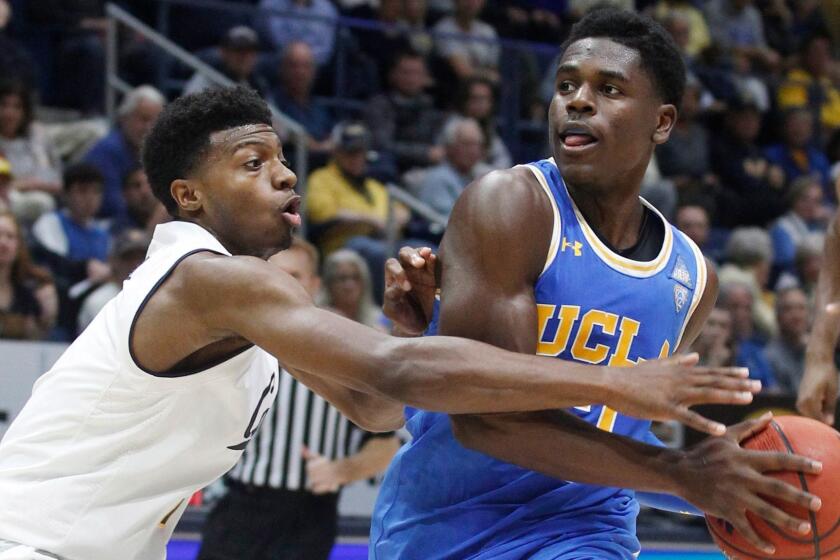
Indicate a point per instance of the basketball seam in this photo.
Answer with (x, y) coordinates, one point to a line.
(804, 484)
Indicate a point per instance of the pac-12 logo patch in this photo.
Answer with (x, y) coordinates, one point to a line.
(680, 296)
(681, 273)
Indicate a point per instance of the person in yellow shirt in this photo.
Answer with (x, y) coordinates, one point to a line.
(347, 208)
(809, 85)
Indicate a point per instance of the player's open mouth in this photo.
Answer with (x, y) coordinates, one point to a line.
(290, 211)
(575, 138)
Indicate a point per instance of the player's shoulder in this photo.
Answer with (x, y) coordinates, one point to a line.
(205, 277)
(516, 187)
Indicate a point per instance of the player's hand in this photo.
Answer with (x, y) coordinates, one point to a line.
(410, 289)
(665, 389)
(725, 480)
(818, 388)
(323, 476)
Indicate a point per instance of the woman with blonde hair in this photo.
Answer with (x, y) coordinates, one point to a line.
(347, 288)
(28, 300)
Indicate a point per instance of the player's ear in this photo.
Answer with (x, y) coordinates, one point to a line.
(186, 195)
(667, 118)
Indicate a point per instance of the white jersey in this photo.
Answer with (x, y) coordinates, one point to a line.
(103, 458)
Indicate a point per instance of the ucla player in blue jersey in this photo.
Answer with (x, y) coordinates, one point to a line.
(562, 258)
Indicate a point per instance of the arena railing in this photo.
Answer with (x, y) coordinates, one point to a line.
(396, 194)
(114, 85)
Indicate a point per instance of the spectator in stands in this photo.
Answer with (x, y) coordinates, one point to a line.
(127, 253)
(81, 52)
(469, 45)
(752, 190)
(806, 215)
(386, 38)
(786, 352)
(348, 290)
(809, 85)
(807, 265)
(747, 83)
(788, 24)
(749, 255)
(715, 343)
(14, 59)
(72, 245)
(441, 185)
(310, 21)
(143, 210)
(28, 301)
(684, 158)
(403, 120)
(414, 22)
(34, 164)
(693, 220)
(737, 298)
(796, 154)
(476, 99)
(119, 152)
(238, 54)
(736, 25)
(696, 31)
(348, 208)
(297, 73)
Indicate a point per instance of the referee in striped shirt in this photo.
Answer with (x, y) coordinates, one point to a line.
(282, 499)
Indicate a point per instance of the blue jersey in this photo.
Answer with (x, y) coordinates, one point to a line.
(442, 501)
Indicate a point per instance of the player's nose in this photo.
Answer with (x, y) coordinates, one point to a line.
(283, 178)
(581, 101)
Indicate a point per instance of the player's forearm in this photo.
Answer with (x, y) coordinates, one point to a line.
(459, 376)
(826, 329)
(557, 444)
(370, 412)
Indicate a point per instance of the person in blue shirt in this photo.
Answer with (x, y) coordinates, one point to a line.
(73, 245)
(566, 244)
(797, 155)
(118, 153)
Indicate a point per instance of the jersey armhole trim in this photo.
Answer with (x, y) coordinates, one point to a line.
(555, 231)
(699, 290)
(146, 299)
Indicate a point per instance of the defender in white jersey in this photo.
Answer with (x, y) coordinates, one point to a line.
(162, 392)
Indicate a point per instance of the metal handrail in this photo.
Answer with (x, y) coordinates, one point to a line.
(399, 195)
(113, 83)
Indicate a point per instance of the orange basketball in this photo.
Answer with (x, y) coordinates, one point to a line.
(803, 436)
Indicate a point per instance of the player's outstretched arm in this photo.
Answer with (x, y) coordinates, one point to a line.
(818, 388)
(493, 301)
(245, 297)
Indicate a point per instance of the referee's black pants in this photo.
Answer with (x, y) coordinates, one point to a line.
(253, 523)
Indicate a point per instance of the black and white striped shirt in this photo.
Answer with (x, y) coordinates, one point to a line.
(273, 457)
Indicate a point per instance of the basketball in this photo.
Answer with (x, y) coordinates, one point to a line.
(803, 436)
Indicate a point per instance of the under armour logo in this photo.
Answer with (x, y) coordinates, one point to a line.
(575, 246)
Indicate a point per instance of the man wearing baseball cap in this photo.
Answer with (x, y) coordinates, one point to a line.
(237, 59)
(347, 207)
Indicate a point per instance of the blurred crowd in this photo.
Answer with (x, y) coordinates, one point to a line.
(426, 95)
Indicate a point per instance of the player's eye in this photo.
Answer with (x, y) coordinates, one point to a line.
(253, 164)
(611, 90)
(565, 86)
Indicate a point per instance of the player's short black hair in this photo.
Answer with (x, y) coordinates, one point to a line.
(181, 135)
(82, 174)
(659, 55)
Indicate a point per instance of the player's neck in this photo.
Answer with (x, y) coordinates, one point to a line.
(616, 216)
